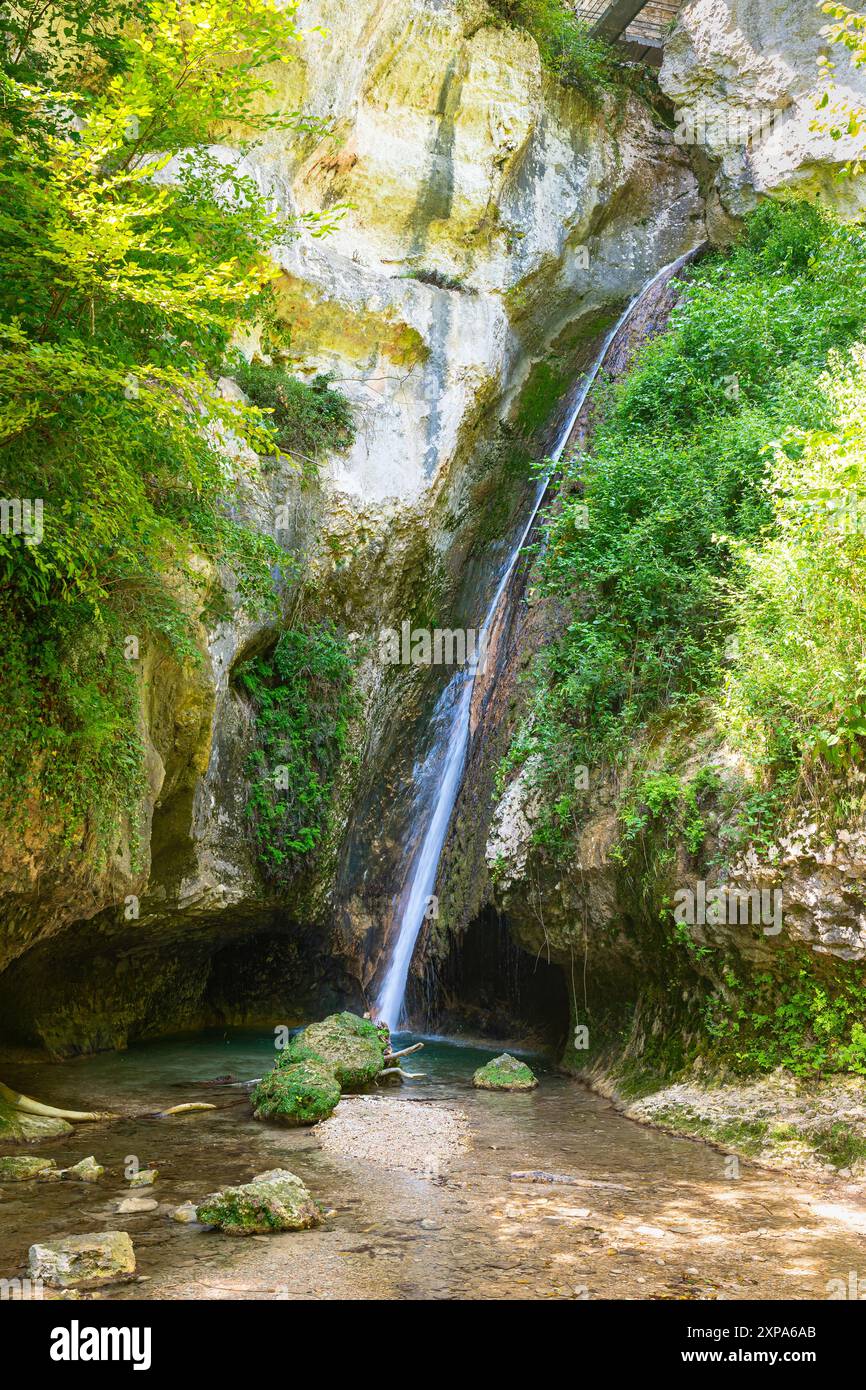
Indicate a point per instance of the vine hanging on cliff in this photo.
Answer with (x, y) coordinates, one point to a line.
(304, 700)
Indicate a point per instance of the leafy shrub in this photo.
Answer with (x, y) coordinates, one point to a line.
(307, 420)
(674, 485)
(563, 41)
(803, 1024)
(303, 700)
(797, 691)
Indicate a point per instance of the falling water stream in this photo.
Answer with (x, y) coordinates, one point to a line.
(438, 779)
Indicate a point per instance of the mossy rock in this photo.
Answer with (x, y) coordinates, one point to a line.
(28, 1169)
(349, 1045)
(16, 1127)
(504, 1073)
(88, 1170)
(300, 1094)
(273, 1201)
(85, 1262)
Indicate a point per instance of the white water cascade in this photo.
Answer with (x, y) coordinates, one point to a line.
(438, 778)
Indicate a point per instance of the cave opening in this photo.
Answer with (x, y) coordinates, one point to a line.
(488, 987)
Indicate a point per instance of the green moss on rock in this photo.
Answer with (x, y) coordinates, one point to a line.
(106, 1257)
(348, 1044)
(17, 1127)
(27, 1168)
(300, 1094)
(273, 1201)
(504, 1073)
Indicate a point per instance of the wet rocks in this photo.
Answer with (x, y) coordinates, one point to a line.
(186, 1214)
(131, 1205)
(350, 1045)
(301, 1093)
(28, 1169)
(504, 1073)
(145, 1177)
(20, 1128)
(88, 1170)
(273, 1201)
(84, 1262)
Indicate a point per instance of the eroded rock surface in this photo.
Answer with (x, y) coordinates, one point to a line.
(744, 76)
(84, 1262)
(494, 222)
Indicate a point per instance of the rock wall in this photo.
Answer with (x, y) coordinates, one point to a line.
(493, 220)
(744, 78)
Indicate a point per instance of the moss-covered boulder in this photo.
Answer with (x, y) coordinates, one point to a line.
(350, 1045)
(504, 1073)
(300, 1094)
(84, 1262)
(273, 1201)
(16, 1127)
(27, 1169)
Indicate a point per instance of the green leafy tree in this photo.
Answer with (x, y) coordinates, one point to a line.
(841, 117)
(130, 254)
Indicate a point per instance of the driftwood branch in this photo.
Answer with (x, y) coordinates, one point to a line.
(401, 1075)
(192, 1105)
(27, 1106)
(404, 1052)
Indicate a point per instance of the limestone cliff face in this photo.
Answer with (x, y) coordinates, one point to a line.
(493, 219)
(745, 80)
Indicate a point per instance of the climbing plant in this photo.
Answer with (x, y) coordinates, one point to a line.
(563, 41)
(303, 699)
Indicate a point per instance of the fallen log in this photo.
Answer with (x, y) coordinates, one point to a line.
(404, 1052)
(401, 1075)
(187, 1109)
(28, 1106)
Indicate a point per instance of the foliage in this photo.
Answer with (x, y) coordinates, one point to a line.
(129, 255)
(439, 279)
(662, 797)
(842, 117)
(797, 691)
(307, 420)
(563, 41)
(804, 1024)
(76, 728)
(648, 527)
(303, 700)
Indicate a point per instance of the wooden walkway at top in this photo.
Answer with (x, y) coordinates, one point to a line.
(640, 25)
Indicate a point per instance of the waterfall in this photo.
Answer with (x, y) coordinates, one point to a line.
(438, 778)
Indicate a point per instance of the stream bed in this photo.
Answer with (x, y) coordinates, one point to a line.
(649, 1216)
